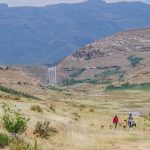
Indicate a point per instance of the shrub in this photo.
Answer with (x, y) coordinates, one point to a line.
(4, 140)
(20, 144)
(52, 107)
(82, 107)
(43, 130)
(91, 110)
(76, 116)
(13, 121)
(36, 108)
(19, 83)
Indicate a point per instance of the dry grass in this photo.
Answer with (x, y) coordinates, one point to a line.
(37, 108)
(9, 97)
(79, 119)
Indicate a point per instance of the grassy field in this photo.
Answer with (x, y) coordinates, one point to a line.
(83, 116)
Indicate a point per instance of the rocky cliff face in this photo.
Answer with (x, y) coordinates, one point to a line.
(121, 57)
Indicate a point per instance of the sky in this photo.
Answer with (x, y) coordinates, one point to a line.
(13, 3)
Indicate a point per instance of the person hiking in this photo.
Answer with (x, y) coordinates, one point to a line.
(130, 121)
(115, 121)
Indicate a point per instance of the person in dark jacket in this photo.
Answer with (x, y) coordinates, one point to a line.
(115, 121)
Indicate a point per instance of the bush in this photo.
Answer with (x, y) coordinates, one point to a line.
(13, 121)
(76, 116)
(4, 140)
(36, 108)
(82, 107)
(20, 144)
(91, 110)
(43, 130)
(52, 107)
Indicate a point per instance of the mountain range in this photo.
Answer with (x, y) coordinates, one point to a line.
(39, 35)
(120, 58)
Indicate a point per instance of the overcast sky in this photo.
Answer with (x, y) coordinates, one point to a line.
(48, 2)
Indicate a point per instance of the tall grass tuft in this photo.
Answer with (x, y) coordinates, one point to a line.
(20, 144)
(4, 140)
(37, 108)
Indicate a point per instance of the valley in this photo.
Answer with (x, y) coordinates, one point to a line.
(83, 117)
(106, 78)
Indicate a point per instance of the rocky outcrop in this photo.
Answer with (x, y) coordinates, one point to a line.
(89, 55)
(136, 40)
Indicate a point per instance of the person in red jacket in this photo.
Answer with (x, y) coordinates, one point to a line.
(115, 121)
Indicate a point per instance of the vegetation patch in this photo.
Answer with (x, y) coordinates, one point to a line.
(13, 121)
(37, 108)
(4, 140)
(135, 60)
(20, 144)
(127, 86)
(76, 116)
(55, 88)
(44, 130)
(97, 81)
(67, 82)
(52, 107)
(91, 110)
(77, 73)
(17, 93)
(11, 97)
(109, 72)
(82, 107)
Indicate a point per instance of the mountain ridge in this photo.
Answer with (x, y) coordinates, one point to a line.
(33, 35)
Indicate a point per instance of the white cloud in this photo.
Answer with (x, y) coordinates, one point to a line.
(36, 2)
(48, 2)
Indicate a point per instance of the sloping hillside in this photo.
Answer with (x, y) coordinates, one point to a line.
(22, 80)
(122, 57)
(14, 75)
(45, 35)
